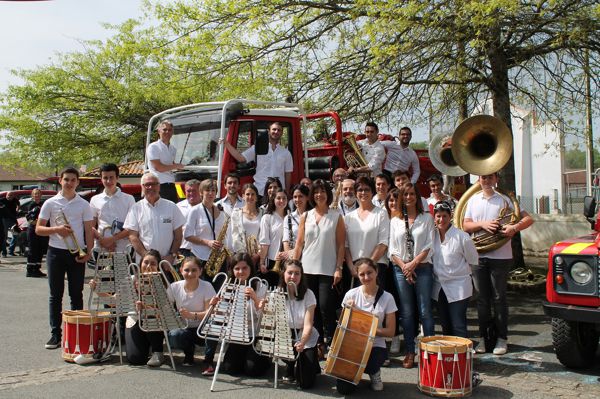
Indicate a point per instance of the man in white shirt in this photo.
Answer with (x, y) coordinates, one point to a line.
(372, 150)
(277, 162)
(435, 185)
(401, 157)
(192, 198)
(232, 200)
(69, 248)
(110, 209)
(491, 274)
(154, 222)
(348, 203)
(383, 184)
(161, 161)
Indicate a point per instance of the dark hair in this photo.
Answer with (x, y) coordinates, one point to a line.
(109, 167)
(392, 193)
(418, 202)
(320, 184)
(372, 124)
(366, 261)
(384, 177)
(233, 175)
(442, 206)
(275, 123)
(271, 206)
(435, 177)
(365, 181)
(191, 259)
(253, 188)
(399, 173)
(305, 191)
(406, 128)
(70, 170)
(241, 257)
(302, 286)
(154, 253)
(270, 180)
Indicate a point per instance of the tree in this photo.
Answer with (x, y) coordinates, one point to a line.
(93, 106)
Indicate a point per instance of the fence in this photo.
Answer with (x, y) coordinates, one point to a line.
(569, 205)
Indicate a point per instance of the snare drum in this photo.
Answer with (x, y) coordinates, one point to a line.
(445, 366)
(85, 335)
(351, 345)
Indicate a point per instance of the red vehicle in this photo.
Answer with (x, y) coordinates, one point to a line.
(573, 294)
(198, 128)
(90, 186)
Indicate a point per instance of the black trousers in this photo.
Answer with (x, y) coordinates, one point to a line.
(241, 359)
(326, 296)
(138, 343)
(37, 246)
(305, 368)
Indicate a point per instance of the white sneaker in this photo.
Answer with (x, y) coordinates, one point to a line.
(156, 360)
(501, 347)
(395, 346)
(480, 348)
(376, 383)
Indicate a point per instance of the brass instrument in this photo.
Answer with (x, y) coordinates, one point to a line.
(481, 145)
(440, 154)
(354, 156)
(70, 241)
(218, 256)
(336, 196)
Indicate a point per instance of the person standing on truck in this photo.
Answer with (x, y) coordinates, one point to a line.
(161, 161)
(276, 163)
(491, 274)
(401, 157)
(372, 150)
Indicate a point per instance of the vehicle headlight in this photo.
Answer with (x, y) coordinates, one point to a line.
(581, 273)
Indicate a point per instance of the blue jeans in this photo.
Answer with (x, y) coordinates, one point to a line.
(453, 316)
(59, 262)
(419, 292)
(186, 339)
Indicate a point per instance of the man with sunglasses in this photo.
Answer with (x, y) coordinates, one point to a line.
(155, 222)
(491, 274)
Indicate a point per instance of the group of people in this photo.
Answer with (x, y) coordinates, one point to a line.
(371, 243)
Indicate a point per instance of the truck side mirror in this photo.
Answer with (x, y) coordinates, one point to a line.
(589, 209)
(261, 145)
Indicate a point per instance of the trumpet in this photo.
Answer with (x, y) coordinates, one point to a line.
(70, 240)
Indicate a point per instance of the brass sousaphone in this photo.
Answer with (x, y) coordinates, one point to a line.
(482, 145)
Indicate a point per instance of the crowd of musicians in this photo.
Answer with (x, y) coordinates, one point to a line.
(367, 239)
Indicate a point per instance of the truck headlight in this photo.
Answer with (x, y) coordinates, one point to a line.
(581, 273)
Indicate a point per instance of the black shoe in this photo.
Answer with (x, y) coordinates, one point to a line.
(11, 254)
(36, 273)
(188, 361)
(53, 343)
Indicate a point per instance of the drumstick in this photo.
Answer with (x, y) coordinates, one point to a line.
(77, 335)
(91, 347)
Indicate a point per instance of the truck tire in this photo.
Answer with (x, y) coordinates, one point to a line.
(575, 343)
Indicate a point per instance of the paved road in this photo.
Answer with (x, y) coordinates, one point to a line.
(27, 370)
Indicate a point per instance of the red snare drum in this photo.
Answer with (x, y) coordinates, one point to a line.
(445, 366)
(85, 336)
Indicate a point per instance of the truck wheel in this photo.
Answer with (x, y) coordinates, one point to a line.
(575, 342)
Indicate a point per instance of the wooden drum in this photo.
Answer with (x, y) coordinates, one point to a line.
(351, 345)
(445, 366)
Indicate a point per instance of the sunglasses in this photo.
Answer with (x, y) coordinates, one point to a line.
(442, 206)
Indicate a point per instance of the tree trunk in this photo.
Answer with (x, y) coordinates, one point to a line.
(501, 104)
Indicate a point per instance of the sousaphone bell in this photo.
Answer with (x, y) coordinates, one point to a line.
(440, 154)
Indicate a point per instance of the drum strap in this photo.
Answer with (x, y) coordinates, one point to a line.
(377, 297)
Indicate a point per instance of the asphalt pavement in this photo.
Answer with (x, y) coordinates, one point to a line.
(27, 370)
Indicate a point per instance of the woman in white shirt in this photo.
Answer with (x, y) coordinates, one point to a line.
(371, 297)
(320, 244)
(411, 240)
(244, 226)
(271, 233)
(292, 220)
(453, 253)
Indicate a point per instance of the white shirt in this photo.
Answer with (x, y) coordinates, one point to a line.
(385, 305)
(77, 211)
(296, 316)
(199, 225)
(294, 218)
(240, 228)
(185, 208)
(344, 209)
(362, 236)
(228, 206)
(155, 224)
(479, 208)
(422, 232)
(107, 208)
(377, 202)
(374, 155)
(271, 233)
(431, 201)
(276, 163)
(399, 158)
(451, 260)
(192, 301)
(319, 255)
(158, 150)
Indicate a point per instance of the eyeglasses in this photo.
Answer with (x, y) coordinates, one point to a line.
(150, 184)
(442, 206)
(363, 190)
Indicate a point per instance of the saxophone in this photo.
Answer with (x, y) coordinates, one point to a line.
(218, 256)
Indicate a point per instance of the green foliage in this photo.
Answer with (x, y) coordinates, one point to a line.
(576, 159)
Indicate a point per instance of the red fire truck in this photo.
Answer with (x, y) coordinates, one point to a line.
(312, 139)
(573, 294)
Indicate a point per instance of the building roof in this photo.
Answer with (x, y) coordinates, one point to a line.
(17, 174)
(127, 169)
